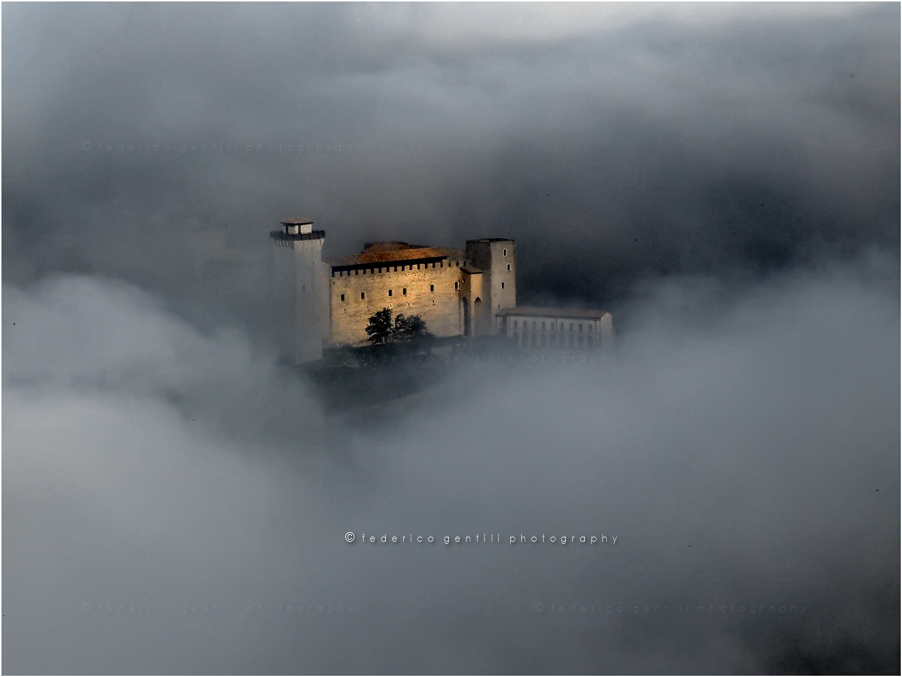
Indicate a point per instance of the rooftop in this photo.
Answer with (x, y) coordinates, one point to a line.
(369, 247)
(296, 221)
(369, 257)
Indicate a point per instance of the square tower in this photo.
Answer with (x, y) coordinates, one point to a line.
(496, 257)
(301, 290)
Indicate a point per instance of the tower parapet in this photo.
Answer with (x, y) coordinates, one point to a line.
(297, 229)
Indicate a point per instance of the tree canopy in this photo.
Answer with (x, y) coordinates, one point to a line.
(381, 328)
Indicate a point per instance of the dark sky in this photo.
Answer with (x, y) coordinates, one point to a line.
(725, 178)
(613, 142)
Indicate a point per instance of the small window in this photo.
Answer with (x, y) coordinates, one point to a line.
(389, 292)
(404, 292)
(580, 327)
(543, 326)
(533, 325)
(502, 285)
(590, 327)
(362, 295)
(505, 253)
(571, 326)
(432, 286)
(508, 266)
(515, 322)
(457, 285)
(342, 297)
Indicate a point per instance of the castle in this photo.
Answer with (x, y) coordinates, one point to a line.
(457, 292)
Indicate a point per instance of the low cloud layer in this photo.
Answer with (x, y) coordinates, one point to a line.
(750, 461)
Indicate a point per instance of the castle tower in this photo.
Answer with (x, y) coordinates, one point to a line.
(301, 289)
(496, 257)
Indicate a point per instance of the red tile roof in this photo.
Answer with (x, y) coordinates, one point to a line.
(389, 256)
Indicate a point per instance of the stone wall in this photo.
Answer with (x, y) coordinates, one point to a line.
(431, 294)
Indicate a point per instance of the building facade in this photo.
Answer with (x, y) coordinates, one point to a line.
(556, 328)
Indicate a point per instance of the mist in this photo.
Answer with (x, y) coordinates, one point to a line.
(725, 179)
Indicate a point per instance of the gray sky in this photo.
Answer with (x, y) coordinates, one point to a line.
(725, 177)
(687, 138)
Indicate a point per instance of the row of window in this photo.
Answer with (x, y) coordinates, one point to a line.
(554, 341)
(553, 326)
(403, 292)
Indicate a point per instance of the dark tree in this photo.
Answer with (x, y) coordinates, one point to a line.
(380, 328)
(408, 328)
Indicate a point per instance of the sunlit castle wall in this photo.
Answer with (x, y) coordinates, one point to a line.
(428, 284)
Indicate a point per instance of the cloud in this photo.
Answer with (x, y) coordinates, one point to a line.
(724, 178)
(750, 459)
